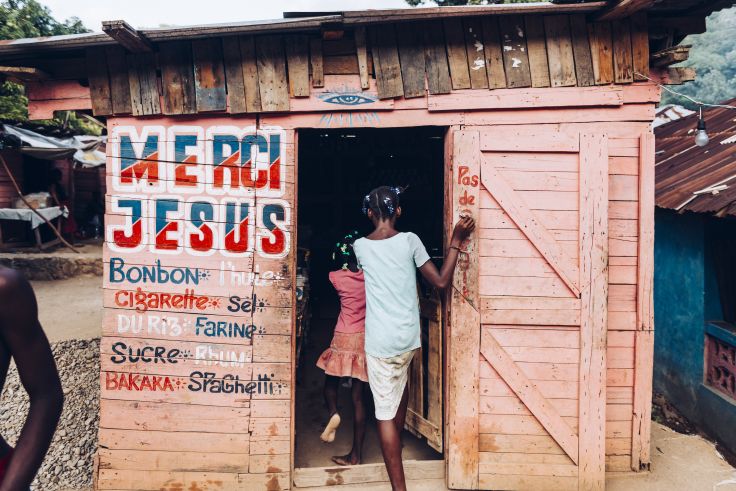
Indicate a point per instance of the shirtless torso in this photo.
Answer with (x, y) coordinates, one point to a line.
(23, 340)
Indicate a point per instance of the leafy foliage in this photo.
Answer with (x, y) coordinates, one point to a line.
(25, 19)
(713, 55)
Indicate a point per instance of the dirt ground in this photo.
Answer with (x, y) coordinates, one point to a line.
(70, 308)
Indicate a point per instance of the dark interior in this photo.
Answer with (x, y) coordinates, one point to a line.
(337, 168)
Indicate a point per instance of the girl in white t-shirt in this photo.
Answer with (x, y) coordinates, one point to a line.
(389, 260)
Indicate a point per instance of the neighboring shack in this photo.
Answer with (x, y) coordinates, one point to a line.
(695, 262)
(548, 332)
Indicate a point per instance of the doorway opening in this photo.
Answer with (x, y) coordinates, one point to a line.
(336, 169)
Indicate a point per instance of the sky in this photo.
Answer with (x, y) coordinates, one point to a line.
(153, 13)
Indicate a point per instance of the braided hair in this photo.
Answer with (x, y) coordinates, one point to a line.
(383, 201)
(343, 255)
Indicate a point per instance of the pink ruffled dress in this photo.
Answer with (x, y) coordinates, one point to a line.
(346, 355)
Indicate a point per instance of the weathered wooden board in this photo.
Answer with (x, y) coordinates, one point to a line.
(640, 45)
(537, 47)
(386, 62)
(316, 61)
(475, 53)
(493, 53)
(177, 77)
(559, 47)
(515, 56)
(584, 72)
(99, 81)
(272, 81)
(143, 83)
(623, 62)
(601, 46)
(234, 74)
(457, 55)
(250, 74)
(209, 75)
(119, 86)
(435, 58)
(411, 54)
(297, 60)
(361, 48)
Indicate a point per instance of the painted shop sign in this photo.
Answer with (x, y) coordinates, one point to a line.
(197, 239)
(204, 190)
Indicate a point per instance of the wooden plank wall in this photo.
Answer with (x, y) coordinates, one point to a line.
(251, 74)
(196, 374)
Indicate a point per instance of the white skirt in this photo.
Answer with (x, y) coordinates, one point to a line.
(387, 379)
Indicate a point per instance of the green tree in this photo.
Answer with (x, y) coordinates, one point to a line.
(26, 19)
(713, 55)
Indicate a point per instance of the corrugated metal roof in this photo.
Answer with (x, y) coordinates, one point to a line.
(700, 179)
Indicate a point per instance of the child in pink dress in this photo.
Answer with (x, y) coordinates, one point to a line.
(346, 355)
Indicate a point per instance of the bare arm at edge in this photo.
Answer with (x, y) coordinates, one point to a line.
(22, 334)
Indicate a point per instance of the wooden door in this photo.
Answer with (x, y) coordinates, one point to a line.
(542, 308)
(424, 413)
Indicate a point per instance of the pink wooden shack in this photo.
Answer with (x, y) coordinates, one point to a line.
(537, 365)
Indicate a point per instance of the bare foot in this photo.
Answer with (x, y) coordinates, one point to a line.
(346, 460)
(328, 435)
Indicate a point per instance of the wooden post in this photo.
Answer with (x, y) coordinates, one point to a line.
(463, 359)
(594, 310)
(644, 337)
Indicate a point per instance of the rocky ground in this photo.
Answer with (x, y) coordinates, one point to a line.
(70, 461)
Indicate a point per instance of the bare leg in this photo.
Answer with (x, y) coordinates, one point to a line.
(389, 432)
(400, 417)
(355, 455)
(330, 393)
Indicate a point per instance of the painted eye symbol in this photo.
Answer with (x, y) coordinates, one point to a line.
(348, 99)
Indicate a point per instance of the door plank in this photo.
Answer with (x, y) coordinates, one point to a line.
(594, 305)
(532, 228)
(464, 334)
(529, 395)
(466, 201)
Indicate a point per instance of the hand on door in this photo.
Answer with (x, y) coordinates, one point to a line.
(463, 228)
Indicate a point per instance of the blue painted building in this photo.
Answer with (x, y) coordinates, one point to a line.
(695, 273)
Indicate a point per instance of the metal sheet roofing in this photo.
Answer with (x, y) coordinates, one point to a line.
(692, 178)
